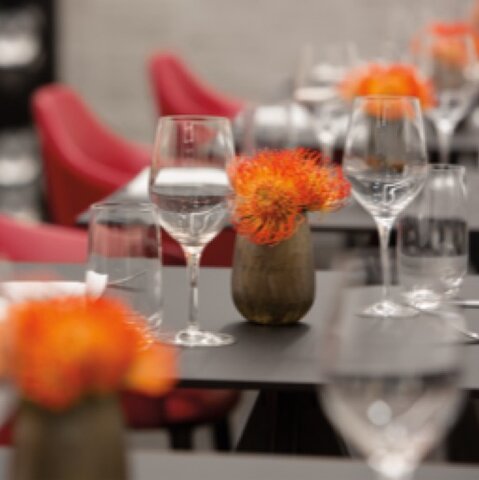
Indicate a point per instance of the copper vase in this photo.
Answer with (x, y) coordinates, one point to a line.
(84, 442)
(274, 285)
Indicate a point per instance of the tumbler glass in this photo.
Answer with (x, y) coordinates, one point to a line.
(125, 256)
(433, 239)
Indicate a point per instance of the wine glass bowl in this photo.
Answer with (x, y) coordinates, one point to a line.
(391, 388)
(386, 163)
(190, 187)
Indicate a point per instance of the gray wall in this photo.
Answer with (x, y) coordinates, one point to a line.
(248, 48)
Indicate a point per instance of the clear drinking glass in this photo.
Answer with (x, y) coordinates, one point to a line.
(385, 160)
(449, 60)
(124, 257)
(390, 387)
(433, 242)
(189, 184)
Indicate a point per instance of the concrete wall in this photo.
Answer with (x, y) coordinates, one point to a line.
(248, 48)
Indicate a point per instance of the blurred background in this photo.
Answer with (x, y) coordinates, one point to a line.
(248, 49)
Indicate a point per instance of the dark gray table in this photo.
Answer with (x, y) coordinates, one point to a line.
(280, 362)
(263, 357)
(150, 465)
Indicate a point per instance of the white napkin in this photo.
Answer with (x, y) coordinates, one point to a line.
(15, 292)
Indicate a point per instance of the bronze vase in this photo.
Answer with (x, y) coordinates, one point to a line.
(84, 442)
(274, 285)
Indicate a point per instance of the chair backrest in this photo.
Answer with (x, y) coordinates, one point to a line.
(178, 91)
(83, 160)
(26, 242)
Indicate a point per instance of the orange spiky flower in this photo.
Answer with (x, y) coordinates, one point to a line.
(58, 351)
(395, 79)
(448, 46)
(276, 187)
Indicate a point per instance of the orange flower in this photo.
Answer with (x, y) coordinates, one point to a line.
(58, 351)
(395, 79)
(274, 189)
(448, 46)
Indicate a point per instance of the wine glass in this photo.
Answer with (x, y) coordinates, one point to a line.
(124, 257)
(391, 388)
(318, 74)
(189, 184)
(386, 163)
(433, 240)
(448, 59)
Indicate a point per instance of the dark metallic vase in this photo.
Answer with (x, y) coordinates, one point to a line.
(84, 442)
(274, 285)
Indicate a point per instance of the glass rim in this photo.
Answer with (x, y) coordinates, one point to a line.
(446, 167)
(141, 206)
(387, 97)
(192, 118)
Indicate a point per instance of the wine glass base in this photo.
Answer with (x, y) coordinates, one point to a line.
(389, 309)
(197, 338)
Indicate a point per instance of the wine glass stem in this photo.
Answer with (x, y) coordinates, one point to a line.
(193, 268)
(384, 230)
(445, 130)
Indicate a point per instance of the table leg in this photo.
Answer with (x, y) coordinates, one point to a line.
(289, 422)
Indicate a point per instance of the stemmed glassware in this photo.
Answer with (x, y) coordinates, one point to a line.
(449, 60)
(385, 160)
(390, 388)
(189, 185)
(318, 75)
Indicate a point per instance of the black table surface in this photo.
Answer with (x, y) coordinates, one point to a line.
(262, 357)
(150, 465)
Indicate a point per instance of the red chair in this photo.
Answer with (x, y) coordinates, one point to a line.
(83, 160)
(181, 410)
(178, 91)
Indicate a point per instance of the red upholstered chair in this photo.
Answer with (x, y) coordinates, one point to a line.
(83, 160)
(180, 410)
(178, 91)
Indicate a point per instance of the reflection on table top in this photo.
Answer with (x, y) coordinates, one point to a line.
(150, 465)
(262, 357)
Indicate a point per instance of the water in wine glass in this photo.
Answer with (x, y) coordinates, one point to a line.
(192, 214)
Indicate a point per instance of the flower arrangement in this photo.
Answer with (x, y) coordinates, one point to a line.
(394, 79)
(275, 188)
(60, 351)
(447, 46)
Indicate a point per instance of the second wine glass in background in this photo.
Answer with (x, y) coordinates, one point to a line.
(385, 160)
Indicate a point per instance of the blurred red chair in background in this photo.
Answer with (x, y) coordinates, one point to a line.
(83, 160)
(178, 412)
(178, 91)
